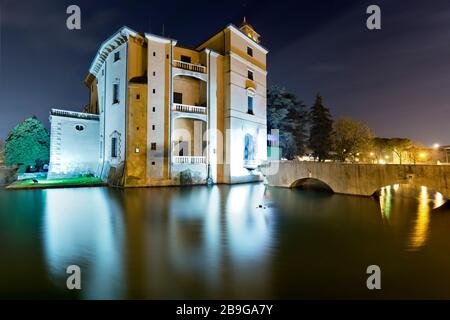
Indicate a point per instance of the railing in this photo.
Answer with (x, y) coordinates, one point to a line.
(189, 160)
(188, 108)
(189, 66)
(73, 114)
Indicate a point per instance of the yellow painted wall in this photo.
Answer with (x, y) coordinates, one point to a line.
(191, 89)
(136, 130)
(179, 51)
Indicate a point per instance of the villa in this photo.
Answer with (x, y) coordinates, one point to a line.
(162, 114)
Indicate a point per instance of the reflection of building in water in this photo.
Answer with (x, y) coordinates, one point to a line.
(87, 238)
(176, 248)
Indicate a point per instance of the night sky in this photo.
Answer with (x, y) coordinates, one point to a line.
(396, 79)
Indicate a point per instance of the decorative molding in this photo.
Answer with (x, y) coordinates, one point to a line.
(112, 43)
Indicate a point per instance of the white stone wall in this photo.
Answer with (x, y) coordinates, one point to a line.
(73, 152)
(240, 121)
(112, 115)
(157, 61)
(212, 134)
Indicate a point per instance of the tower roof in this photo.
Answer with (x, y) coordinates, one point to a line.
(249, 31)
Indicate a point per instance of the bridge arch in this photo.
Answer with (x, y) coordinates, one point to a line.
(359, 179)
(311, 184)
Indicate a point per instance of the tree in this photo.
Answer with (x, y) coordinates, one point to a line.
(2, 152)
(381, 148)
(279, 105)
(27, 143)
(352, 139)
(401, 147)
(321, 130)
(404, 149)
(299, 115)
(414, 151)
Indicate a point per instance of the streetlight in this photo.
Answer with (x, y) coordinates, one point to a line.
(436, 146)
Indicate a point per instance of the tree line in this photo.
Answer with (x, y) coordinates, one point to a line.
(311, 131)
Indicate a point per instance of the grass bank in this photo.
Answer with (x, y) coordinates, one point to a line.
(56, 183)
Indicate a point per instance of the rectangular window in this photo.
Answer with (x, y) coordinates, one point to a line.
(250, 51)
(117, 56)
(153, 146)
(138, 97)
(153, 127)
(154, 73)
(154, 90)
(178, 97)
(114, 148)
(115, 93)
(250, 104)
(154, 53)
(250, 75)
(186, 59)
(154, 109)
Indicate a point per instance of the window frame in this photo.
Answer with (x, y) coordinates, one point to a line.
(117, 56)
(116, 93)
(177, 95)
(250, 75)
(114, 147)
(250, 51)
(184, 57)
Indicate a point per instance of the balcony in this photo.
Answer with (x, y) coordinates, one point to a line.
(188, 108)
(189, 66)
(188, 160)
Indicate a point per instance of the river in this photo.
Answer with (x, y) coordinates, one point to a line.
(243, 241)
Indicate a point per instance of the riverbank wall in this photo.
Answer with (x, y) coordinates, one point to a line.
(7, 176)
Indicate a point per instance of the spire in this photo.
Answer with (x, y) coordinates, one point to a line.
(249, 31)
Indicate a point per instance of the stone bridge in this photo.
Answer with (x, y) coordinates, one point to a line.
(357, 179)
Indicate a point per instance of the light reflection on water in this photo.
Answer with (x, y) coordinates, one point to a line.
(218, 243)
(426, 201)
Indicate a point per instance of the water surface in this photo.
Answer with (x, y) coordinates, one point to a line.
(242, 242)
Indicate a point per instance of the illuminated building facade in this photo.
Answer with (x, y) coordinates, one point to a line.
(173, 115)
(74, 146)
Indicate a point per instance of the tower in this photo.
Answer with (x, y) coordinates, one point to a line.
(248, 30)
